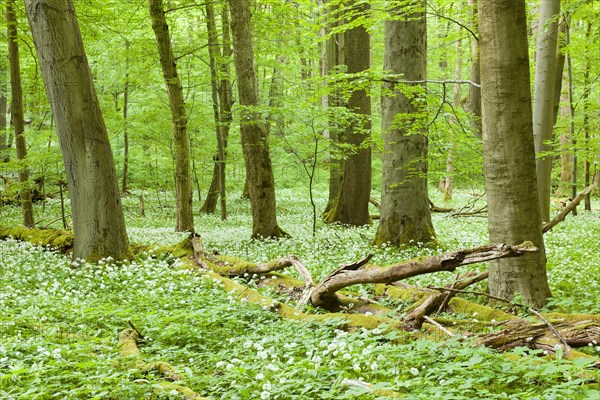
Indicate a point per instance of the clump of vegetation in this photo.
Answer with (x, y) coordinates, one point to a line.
(62, 320)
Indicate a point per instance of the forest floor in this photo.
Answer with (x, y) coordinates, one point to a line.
(61, 319)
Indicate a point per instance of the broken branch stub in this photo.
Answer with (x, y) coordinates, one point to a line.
(324, 295)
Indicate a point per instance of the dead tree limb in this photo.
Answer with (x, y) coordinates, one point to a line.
(375, 202)
(414, 320)
(563, 214)
(324, 294)
(435, 208)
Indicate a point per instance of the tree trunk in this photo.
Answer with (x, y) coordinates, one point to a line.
(571, 116)
(17, 112)
(217, 185)
(252, 126)
(98, 222)
(3, 108)
(474, 99)
(586, 118)
(125, 122)
(352, 204)
(181, 140)
(509, 155)
(332, 57)
(405, 214)
(543, 99)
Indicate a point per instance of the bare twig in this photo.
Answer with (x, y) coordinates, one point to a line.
(558, 335)
(438, 325)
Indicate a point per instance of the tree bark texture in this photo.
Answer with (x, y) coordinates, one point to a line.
(126, 121)
(17, 112)
(509, 155)
(181, 140)
(543, 99)
(255, 144)
(3, 108)
(405, 213)
(98, 222)
(352, 204)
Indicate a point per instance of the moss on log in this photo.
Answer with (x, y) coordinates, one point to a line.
(54, 238)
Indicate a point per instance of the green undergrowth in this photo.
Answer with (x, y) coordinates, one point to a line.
(61, 318)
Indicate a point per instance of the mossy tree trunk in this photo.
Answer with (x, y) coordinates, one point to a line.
(259, 171)
(181, 140)
(509, 155)
(98, 221)
(405, 212)
(352, 204)
(17, 119)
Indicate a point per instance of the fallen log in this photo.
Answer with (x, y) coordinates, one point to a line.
(563, 214)
(128, 348)
(437, 301)
(324, 294)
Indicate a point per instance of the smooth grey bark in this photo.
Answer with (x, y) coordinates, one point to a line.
(98, 222)
(125, 174)
(352, 204)
(332, 56)
(543, 98)
(255, 145)
(3, 108)
(181, 139)
(474, 99)
(405, 212)
(17, 117)
(221, 98)
(509, 155)
(587, 177)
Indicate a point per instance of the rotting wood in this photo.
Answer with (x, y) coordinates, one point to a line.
(324, 294)
(438, 300)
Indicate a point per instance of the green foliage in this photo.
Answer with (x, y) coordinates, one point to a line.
(62, 318)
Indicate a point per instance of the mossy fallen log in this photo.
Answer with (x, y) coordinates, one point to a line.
(54, 238)
(128, 348)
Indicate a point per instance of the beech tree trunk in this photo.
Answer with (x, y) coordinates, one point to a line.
(125, 122)
(3, 107)
(474, 99)
(509, 155)
(332, 57)
(17, 112)
(352, 204)
(405, 213)
(181, 139)
(587, 177)
(221, 97)
(543, 98)
(98, 222)
(259, 170)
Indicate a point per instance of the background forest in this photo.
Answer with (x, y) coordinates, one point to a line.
(223, 316)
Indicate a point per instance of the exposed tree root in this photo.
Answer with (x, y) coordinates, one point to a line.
(128, 347)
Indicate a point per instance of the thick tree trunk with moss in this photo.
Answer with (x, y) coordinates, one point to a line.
(98, 222)
(509, 155)
(17, 119)
(255, 144)
(543, 99)
(405, 213)
(352, 204)
(181, 140)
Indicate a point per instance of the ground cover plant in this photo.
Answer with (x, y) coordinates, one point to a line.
(61, 319)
